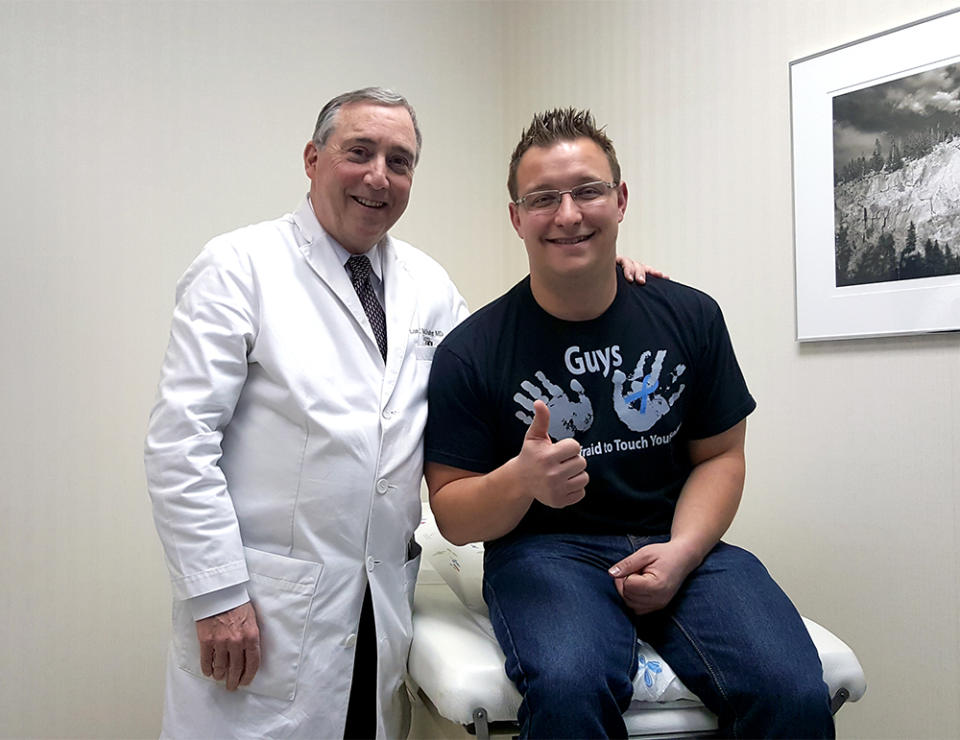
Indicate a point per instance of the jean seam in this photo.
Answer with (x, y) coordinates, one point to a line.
(711, 669)
(494, 605)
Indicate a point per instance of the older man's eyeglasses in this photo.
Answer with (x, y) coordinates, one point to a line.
(547, 201)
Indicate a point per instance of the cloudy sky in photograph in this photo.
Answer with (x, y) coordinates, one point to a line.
(892, 110)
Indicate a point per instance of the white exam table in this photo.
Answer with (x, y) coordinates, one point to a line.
(457, 670)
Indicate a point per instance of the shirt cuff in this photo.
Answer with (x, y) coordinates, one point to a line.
(216, 602)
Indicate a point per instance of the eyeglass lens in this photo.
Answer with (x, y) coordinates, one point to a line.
(549, 199)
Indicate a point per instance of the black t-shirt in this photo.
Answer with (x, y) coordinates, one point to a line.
(632, 386)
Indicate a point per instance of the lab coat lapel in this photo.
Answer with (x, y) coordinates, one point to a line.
(401, 298)
(323, 260)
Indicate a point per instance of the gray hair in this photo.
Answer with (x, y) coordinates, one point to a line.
(379, 95)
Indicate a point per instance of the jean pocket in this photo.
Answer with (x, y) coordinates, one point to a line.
(281, 590)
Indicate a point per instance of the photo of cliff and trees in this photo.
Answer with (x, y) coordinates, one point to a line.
(896, 156)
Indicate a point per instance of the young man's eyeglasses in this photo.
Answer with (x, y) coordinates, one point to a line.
(545, 201)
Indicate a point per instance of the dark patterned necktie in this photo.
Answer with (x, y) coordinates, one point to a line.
(359, 266)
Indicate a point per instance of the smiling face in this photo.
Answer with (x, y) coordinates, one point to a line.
(578, 239)
(360, 180)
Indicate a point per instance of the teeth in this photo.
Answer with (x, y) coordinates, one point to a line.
(369, 203)
(571, 240)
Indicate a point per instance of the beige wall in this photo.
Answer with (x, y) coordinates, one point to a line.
(132, 132)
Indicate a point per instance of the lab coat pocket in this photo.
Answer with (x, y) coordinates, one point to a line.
(410, 570)
(281, 590)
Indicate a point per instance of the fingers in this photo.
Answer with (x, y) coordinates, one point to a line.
(563, 500)
(574, 471)
(540, 426)
(649, 578)
(235, 662)
(230, 646)
(238, 667)
(638, 272)
(221, 660)
(568, 461)
(633, 563)
(633, 271)
(565, 458)
(642, 593)
(578, 485)
(567, 481)
(566, 449)
(206, 658)
(646, 592)
(251, 664)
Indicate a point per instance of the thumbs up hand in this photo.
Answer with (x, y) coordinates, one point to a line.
(554, 473)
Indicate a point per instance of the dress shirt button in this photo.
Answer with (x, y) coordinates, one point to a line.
(387, 413)
(350, 641)
(371, 563)
(382, 485)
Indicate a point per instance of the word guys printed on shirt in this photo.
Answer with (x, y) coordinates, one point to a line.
(579, 362)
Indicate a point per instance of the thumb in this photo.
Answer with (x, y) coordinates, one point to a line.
(540, 426)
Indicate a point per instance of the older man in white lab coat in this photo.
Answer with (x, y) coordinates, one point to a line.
(284, 453)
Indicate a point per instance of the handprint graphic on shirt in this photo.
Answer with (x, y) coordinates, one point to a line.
(566, 417)
(647, 401)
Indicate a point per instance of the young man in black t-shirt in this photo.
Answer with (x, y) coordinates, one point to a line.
(592, 434)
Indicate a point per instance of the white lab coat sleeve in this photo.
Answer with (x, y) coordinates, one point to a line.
(219, 601)
(213, 330)
(460, 311)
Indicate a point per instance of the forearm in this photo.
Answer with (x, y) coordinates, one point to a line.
(708, 504)
(477, 507)
(650, 577)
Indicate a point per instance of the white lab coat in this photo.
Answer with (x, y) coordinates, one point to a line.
(283, 452)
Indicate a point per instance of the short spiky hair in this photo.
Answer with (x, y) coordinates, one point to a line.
(560, 124)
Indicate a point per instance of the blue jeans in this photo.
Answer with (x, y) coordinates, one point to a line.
(730, 634)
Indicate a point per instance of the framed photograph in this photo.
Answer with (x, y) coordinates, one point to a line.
(876, 183)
